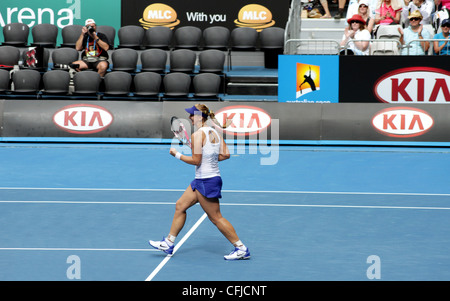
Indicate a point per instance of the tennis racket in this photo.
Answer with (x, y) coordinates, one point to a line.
(179, 130)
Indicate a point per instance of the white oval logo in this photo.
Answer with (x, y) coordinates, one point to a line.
(83, 119)
(244, 120)
(414, 85)
(402, 122)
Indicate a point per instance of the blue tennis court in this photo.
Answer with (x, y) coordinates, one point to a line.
(86, 212)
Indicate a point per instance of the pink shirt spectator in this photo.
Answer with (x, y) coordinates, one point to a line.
(384, 9)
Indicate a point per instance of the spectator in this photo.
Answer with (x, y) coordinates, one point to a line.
(426, 8)
(443, 47)
(324, 4)
(414, 32)
(356, 31)
(362, 8)
(388, 12)
(94, 46)
(341, 7)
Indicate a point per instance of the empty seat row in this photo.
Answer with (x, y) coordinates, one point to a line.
(118, 83)
(126, 59)
(132, 36)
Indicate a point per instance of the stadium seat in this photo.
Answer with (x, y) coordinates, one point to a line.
(44, 35)
(147, 84)
(117, 83)
(388, 32)
(4, 80)
(124, 59)
(182, 60)
(9, 56)
(16, 34)
(211, 60)
(272, 38)
(244, 38)
(86, 82)
(131, 36)
(216, 37)
(187, 37)
(110, 33)
(158, 37)
(384, 48)
(154, 60)
(64, 56)
(26, 81)
(176, 84)
(56, 82)
(206, 85)
(70, 35)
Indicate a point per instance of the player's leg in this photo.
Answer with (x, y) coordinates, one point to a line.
(187, 199)
(212, 208)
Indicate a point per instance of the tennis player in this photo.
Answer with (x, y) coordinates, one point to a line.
(207, 150)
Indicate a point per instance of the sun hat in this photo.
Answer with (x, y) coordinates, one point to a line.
(356, 18)
(415, 14)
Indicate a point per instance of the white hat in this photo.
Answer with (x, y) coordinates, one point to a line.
(365, 2)
(89, 21)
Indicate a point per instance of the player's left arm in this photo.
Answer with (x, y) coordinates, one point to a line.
(196, 146)
(224, 153)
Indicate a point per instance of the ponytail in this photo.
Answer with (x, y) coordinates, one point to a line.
(209, 113)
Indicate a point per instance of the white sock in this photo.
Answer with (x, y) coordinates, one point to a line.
(239, 245)
(170, 240)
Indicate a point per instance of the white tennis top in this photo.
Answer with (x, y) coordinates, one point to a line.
(209, 166)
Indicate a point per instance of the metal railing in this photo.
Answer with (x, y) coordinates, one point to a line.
(333, 47)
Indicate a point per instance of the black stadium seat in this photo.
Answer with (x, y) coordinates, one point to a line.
(216, 37)
(16, 34)
(56, 82)
(124, 59)
(117, 83)
(158, 37)
(131, 36)
(86, 82)
(176, 84)
(70, 35)
(154, 60)
(187, 37)
(211, 60)
(206, 85)
(182, 60)
(147, 84)
(44, 35)
(9, 56)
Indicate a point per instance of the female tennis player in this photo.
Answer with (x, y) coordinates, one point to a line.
(207, 150)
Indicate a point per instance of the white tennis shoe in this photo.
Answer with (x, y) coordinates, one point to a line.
(238, 254)
(162, 246)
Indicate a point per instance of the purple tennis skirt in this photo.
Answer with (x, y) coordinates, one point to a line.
(209, 187)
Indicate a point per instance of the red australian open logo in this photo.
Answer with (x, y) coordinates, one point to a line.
(83, 119)
(244, 120)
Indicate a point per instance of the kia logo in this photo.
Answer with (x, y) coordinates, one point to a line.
(415, 84)
(402, 122)
(83, 119)
(245, 120)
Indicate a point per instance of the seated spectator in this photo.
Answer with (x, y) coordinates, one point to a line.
(426, 8)
(388, 12)
(443, 47)
(363, 9)
(414, 32)
(356, 31)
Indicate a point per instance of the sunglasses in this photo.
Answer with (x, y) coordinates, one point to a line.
(355, 22)
(414, 19)
(362, 5)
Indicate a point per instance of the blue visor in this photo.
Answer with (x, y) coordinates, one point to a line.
(193, 111)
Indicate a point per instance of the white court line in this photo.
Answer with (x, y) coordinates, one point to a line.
(236, 204)
(177, 246)
(229, 190)
(75, 249)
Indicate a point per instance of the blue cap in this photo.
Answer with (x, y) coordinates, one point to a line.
(445, 22)
(192, 110)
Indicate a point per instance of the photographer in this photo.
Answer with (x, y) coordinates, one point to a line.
(95, 47)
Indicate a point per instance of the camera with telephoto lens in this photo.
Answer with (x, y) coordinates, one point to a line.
(90, 29)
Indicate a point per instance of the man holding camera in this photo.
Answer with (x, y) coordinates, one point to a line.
(95, 47)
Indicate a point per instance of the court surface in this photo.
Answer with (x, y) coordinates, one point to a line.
(86, 212)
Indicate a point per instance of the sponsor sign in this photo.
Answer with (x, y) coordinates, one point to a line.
(243, 120)
(258, 14)
(308, 79)
(414, 84)
(83, 119)
(402, 122)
